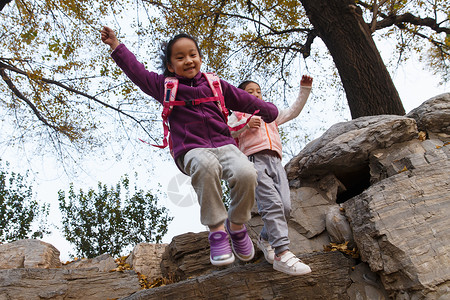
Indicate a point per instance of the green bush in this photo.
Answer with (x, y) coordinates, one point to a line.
(18, 210)
(110, 219)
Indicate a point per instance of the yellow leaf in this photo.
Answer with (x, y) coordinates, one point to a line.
(403, 170)
(445, 144)
(422, 136)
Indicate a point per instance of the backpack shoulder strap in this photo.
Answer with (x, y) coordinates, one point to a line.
(216, 87)
(214, 83)
(170, 92)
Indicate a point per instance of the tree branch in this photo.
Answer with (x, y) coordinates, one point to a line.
(306, 49)
(438, 44)
(4, 66)
(374, 16)
(16, 92)
(389, 20)
(411, 19)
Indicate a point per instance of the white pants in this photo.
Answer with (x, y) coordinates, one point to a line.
(206, 167)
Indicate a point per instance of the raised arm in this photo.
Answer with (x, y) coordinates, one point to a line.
(109, 37)
(294, 110)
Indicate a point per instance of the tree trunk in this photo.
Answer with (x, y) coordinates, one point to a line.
(3, 3)
(367, 83)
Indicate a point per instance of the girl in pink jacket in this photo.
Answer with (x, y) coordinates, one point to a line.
(261, 142)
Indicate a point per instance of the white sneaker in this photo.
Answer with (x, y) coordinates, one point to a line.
(265, 247)
(290, 264)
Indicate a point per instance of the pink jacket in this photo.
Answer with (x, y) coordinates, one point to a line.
(253, 140)
(266, 137)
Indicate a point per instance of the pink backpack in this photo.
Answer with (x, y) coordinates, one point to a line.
(170, 92)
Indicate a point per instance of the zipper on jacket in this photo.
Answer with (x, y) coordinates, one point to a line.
(268, 136)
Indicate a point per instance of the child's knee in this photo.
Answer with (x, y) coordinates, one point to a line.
(205, 168)
(247, 174)
(209, 171)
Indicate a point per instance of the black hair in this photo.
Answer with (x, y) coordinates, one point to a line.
(244, 84)
(166, 49)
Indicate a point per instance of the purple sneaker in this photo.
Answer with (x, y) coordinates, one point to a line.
(220, 249)
(241, 243)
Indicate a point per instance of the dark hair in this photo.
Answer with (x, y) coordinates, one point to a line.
(244, 84)
(166, 49)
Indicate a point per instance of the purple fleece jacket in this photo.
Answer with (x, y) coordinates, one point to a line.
(198, 126)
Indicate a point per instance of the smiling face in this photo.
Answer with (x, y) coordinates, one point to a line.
(185, 58)
(254, 89)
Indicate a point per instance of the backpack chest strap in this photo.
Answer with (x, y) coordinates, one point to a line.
(191, 102)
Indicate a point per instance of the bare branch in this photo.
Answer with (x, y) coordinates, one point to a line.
(411, 19)
(306, 49)
(374, 16)
(389, 20)
(274, 31)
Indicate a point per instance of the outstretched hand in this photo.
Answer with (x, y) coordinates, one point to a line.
(306, 80)
(109, 37)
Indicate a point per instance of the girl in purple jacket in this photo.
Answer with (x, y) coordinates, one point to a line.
(203, 147)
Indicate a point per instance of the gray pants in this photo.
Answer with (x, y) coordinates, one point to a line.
(206, 167)
(273, 200)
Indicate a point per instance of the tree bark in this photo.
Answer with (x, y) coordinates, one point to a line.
(367, 83)
(3, 3)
